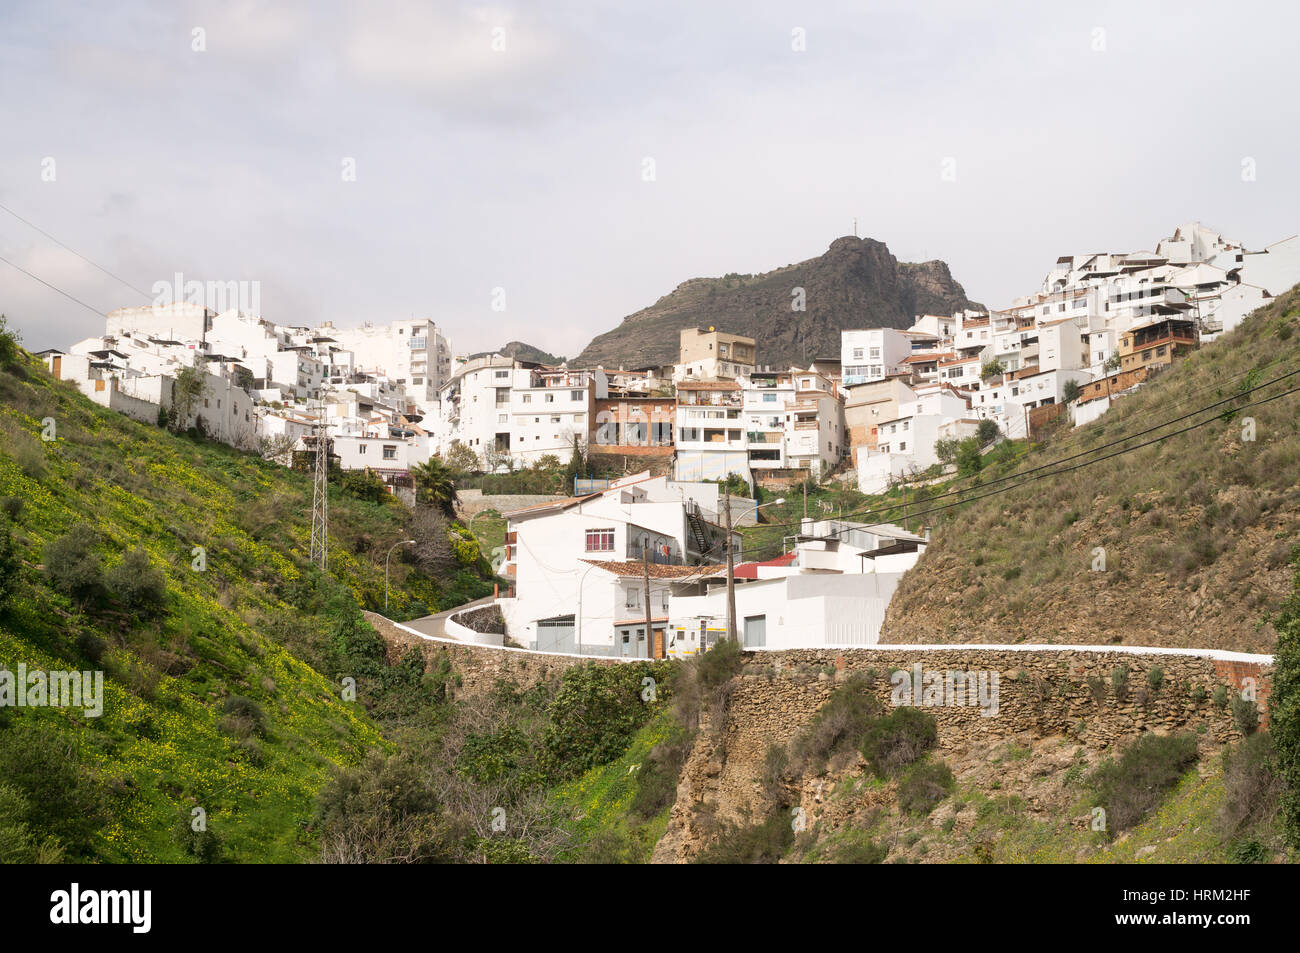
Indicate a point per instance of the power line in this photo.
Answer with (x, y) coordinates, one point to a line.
(74, 251)
(52, 287)
(1019, 475)
(1077, 466)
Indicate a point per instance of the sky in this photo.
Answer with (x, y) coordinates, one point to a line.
(538, 171)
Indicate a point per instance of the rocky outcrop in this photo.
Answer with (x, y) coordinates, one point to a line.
(857, 283)
(1062, 704)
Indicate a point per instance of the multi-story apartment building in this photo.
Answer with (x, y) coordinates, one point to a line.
(551, 412)
(872, 354)
(412, 353)
(639, 427)
(711, 442)
(713, 355)
(766, 397)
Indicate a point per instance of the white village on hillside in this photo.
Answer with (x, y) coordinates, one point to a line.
(635, 566)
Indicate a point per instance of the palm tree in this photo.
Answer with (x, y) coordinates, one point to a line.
(434, 486)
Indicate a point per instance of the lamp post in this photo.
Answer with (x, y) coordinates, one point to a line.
(578, 618)
(400, 542)
(731, 567)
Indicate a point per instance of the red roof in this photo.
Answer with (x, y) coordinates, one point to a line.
(750, 570)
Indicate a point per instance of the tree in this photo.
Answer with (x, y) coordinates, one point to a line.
(461, 458)
(577, 466)
(969, 459)
(73, 566)
(432, 552)
(10, 352)
(993, 369)
(137, 583)
(1112, 364)
(946, 449)
(190, 384)
(435, 486)
(273, 448)
(986, 432)
(1071, 391)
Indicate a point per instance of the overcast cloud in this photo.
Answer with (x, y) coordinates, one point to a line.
(522, 169)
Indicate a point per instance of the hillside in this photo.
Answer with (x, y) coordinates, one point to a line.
(857, 283)
(223, 664)
(523, 352)
(1197, 530)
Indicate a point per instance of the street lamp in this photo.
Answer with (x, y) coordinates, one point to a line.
(400, 542)
(731, 567)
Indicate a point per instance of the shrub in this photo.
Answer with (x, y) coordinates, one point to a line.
(1245, 714)
(838, 728)
(137, 583)
(764, 843)
(365, 485)
(924, 786)
(1138, 781)
(1155, 676)
(73, 566)
(1220, 696)
(57, 800)
(1249, 851)
(593, 716)
(12, 506)
(382, 811)
(1251, 783)
(1119, 681)
(897, 740)
(243, 717)
(861, 852)
(656, 780)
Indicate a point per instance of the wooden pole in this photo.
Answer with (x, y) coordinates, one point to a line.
(731, 576)
(649, 626)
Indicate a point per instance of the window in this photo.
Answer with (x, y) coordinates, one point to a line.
(600, 540)
(577, 395)
(528, 398)
(633, 598)
(500, 375)
(550, 398)
(857, 354)
(390, 452)
(361, 448)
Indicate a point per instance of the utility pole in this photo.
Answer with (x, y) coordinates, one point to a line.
(731, 576)
(649, 626)
(320, 505)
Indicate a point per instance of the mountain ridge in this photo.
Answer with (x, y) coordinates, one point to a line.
(856, 283)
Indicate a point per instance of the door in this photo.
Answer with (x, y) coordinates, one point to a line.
(755, 631)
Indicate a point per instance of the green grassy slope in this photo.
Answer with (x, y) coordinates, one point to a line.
(1197, 530)
(171, 739)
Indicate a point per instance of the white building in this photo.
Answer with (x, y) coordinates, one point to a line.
(566, 559)
(872, 354)
(831, 590)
